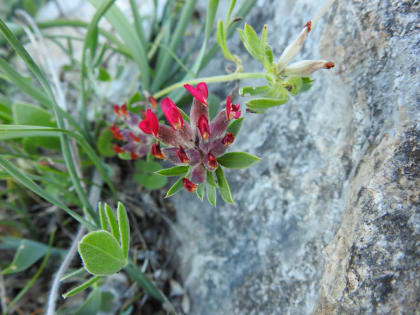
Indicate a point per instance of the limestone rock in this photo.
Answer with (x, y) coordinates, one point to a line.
(328, 221)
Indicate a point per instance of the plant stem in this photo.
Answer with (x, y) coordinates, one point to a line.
(215, 79)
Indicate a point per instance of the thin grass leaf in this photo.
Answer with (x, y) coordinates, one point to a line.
(176, 38)
(138, 23)
(137, 275)
(210, 21)
(81, 287)
(112, 221)
(102, 217)
(20, 131)
(28, 183)
(65, 141)
(35, 277)
(124, 227)
(72, 274)
(119, 21)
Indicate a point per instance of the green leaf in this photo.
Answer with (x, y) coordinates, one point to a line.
(175, 188)
(211, 190)
(104, 143)
(134, 99)
(257, 90)
(29, 114)
(174, 171)
(252, 42)
(200, 192)
(210, 179)
(146, 176)
(261, 104)
(223, 185)
(135, 273)
(235, 126)
(102, 217)
(27, 254)
(124, 227)
(237, 160)
(307, 84)
(128, 34)
(92, 304)
(101, 253)
(112, 221)
(28, 183)
(81, 287)
(103, 75)
(214, 105)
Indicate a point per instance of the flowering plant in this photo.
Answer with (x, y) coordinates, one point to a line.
(194, 144)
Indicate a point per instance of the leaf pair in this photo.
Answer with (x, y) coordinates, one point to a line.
(105, 252)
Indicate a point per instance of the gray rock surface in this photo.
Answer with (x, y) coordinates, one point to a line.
(328, 222)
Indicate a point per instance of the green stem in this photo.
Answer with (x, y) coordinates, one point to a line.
(215, 79)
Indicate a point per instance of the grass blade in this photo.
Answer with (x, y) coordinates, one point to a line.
(81, 287)
(124, 227)
(176, 38)
(28, 183)
(119, 21)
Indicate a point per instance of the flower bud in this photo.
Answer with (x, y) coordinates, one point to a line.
(211, 161)
(228, 139)
(203, 126)
(189, 186)
(306, 67)
(116, 132)
(157, 152)
(182, 156)
(117, 149)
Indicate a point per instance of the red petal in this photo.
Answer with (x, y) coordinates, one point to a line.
(228, 107)
(228, 139)
(150, 124)
(124, 109)
(172, 113)
(197, 93)
(202, 87)
(117, 149)
(117, 110)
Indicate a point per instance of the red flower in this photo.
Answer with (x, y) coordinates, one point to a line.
(189, 186)
(150, 124)
(117, 149)
(157, 152)
(200, 93)
(212, 162)
(182, 156)
(172, 113)
(203, 126)
(232, 110)
(116, 132)
(228, 139)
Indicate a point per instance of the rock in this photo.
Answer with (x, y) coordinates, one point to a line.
(328, 222)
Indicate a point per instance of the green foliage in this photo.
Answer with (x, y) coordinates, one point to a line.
(223, 185)
(104, 143)
(237, 160)
(101, 253)
(147, 174)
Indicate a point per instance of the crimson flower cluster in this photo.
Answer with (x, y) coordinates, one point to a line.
(196, 143)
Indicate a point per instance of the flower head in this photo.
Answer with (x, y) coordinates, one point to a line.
(156, 151)
(172, 113)
(200, 93)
